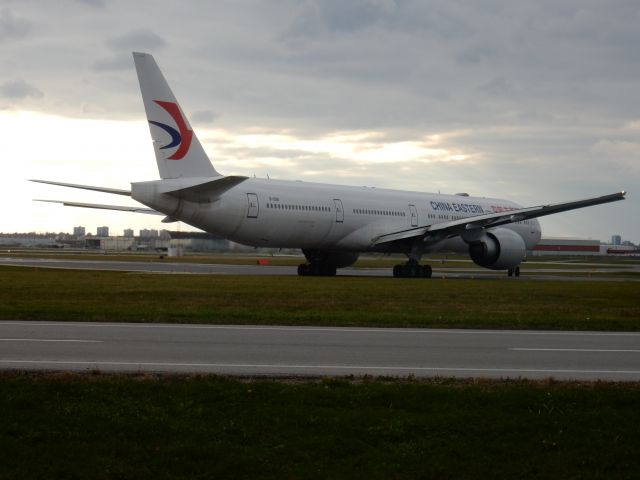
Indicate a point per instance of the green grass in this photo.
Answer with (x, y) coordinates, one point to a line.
(45, 294)
(119, 427)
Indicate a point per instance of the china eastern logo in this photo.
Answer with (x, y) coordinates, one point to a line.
(180, 138)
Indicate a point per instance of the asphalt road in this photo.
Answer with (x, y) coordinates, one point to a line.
(314, 351)
(224, 269)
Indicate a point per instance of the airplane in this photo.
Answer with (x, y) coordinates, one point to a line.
(331, 224)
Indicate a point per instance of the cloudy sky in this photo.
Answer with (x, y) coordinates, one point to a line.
(537, 102)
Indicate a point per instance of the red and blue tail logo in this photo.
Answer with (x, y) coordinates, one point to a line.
(180, 138)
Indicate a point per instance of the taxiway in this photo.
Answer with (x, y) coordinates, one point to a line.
(167, 267)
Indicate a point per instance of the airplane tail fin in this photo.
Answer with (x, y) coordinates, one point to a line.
(178, 150)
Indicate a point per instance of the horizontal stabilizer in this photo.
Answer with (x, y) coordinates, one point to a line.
(104, 207)
(115, 191)
(203, 189)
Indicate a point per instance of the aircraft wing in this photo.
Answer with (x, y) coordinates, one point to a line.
(472, 226)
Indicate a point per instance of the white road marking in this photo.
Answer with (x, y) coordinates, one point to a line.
(597, 350)
(318, 329)
(312, 367)
(47, 340)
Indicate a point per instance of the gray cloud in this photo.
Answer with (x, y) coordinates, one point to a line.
(315, 18)
(539, 95)
(12, 27)
(94, 3)
(498, 86)
(142, 40)
(203, 116)
(136, 40)
(116, 62)
(19, 89)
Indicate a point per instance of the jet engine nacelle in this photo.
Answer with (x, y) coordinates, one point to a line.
(335, 258)
(498, 249)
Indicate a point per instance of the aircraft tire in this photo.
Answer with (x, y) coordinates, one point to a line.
(412, 271)
(316, 270)
(328, 270)
(426, 271)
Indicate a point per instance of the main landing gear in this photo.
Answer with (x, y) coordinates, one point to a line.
(316, 269)
(513, 272)
(412, 269)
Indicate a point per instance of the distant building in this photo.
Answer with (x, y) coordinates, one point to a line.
(149, 233)
(79, 231)
(197, 242)
(566, 246)
(616, 240)
(619, 250)
(117, 243)
(128, 232)
(102, 232)
(30, 239)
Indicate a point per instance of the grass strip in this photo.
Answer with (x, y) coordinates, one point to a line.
(107, 427)
(46, 294)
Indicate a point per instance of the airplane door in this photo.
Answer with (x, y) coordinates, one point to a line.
(413, 211)
(252, 208)
(339, 210)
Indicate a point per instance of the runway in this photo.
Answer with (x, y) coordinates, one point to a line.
(315, 351)
(604, 273)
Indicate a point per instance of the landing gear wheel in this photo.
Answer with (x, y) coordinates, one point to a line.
(513, 272)
(327, 271)
(426, 271)
(303, 269)
(412, 270)
(316, 270)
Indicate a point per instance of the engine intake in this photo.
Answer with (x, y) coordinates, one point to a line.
(498, 249)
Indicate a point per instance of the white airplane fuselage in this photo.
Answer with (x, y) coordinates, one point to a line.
(293, 214)
(332, 224)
